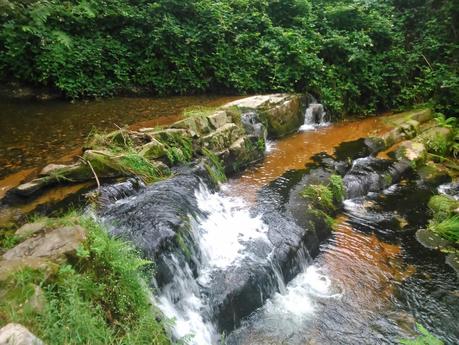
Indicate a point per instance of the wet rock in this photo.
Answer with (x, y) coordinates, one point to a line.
(29, 188)
(431, 240)
(54, 244)
(156, 215)
(243, 152)
(372, 175)
(433, 174)
(111, 193)
(30, 229)
(253, 126)
(452, 259)
(16, 334)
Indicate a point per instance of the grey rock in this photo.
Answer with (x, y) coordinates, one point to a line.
(16, 334)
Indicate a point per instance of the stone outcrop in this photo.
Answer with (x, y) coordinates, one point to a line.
(282, 113)
(236, 133)
(16, 334)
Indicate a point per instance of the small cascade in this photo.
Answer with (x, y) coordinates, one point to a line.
(315, 116)
(222, 234)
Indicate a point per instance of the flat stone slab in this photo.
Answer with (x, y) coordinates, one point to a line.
(29, 229)
(53, 244)
(258, 101)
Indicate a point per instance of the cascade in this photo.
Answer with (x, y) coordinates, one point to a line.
(315, 116)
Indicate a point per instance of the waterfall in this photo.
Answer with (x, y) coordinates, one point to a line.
(315, 116)
(222, 234)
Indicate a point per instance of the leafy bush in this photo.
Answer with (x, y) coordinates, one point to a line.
(356, 56)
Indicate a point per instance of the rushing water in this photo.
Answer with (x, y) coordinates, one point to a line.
(367, 286)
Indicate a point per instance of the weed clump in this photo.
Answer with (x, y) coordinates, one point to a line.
(445, 221)
(215, 167)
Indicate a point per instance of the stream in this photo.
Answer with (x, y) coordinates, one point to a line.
(241, 264)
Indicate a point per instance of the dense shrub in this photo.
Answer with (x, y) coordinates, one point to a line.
(357, 56)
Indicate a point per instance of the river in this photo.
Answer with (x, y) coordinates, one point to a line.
(369, 283)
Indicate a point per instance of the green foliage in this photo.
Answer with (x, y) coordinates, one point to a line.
(448, 228)
(336, 186)
(99, 297)
(356, 56)
(320, 197)
(215, 167)
(443, 121)
(445, 221)
(426, 338)
(134, 164)
(438, 145)
(442, 206)
(179, 149)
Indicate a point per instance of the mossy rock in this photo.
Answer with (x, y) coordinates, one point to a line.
(222, 138)
(153, 150)
(195, 125)
(433, 174)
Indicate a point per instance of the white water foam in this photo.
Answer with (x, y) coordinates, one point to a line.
(297, 302)
(225, 231)
(222, 234)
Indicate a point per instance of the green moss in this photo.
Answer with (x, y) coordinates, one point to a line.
(99, 297)
(215, 167)
(198, 111)
(182, 245)
(179, 149)
(326, 197)
(336, 186)
(135, 164)
(235, 114)
(320, 197)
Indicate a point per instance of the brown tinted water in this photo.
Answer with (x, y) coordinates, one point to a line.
(33, 133)
(386, 281)
(293, 152)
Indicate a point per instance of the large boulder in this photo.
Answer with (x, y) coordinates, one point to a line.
(16, 334)
(283, 113)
